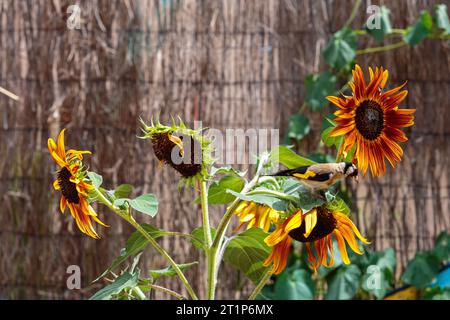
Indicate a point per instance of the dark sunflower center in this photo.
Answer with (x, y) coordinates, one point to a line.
(68, 188)
(325, 225)
(369, 119)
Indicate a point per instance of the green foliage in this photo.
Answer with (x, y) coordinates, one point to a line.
(268, 200)
(95, 178)
(146, 203)
(125, 281)
(298, 127)
(421, 29)
(379, 274)
(317, 87)
(170, 271)
(341, 50)
(217, 193)
(198, 239)
(421, 271)
(436, 293)
(441, 19)
(442, 246)
(226, 170)
(247, 251)
(289, 158)
(123, 191)
(385, 25)
(343, 283)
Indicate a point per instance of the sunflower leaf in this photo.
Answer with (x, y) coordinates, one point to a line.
(421, 29)
(135, 244)
(124, 281)
(170, 271)
(271, 201)
(317, 87)
(217, 193)
(198, 239)
(123, 191)
(226, 170)
(247, 252)
(146, 203)
(289, 158)
(95, 178)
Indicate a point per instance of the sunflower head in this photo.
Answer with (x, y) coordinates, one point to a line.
(370, 119)
(72, 182)
(186, 150)
(256, 215)
(316, 230)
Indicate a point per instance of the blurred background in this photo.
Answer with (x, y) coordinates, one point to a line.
(228, 63)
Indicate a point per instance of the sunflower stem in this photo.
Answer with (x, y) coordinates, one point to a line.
(126, 215)
(166, 290)
(210, 256)
(260, 285)
(139, 293)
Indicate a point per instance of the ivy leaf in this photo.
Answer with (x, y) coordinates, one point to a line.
(135, 244)
(379, 273)
(124, 281)
(341, 50)
(296, 285)
(289, 158)
(343, 283)
(95, 178)
(442, 246)
(298, 127)
(145, 203)
(217, 192)
(421, 270)
(317, 87)
(421, 29)
(123, 191)
(441, 18)
(247, 252)
(384, 26)
(170, 271)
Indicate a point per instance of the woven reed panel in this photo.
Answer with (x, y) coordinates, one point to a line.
(229, 63)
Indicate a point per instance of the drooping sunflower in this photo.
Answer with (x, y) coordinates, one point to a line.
(255, 215)
(371, 119)
(186, 150)
(71, 181)
(316, 229)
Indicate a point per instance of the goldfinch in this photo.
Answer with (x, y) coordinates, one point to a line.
(321, 176)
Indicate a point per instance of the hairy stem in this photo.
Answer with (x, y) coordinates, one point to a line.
(260, 285)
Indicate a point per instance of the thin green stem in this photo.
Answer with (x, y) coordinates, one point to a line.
(273, 193)
(352, 14)
(166, 290)
(382, 48)
(129, 218)
(205, 214)
(260, 285)
(139, 293)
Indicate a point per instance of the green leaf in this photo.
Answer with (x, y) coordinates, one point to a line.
(306, 201)
(199, 235)
(273, 202)
(95, 178)
(296, 285)
(146, 203)
(124, 281)
(441, 19)
(385, 25)
(343, 283)
(226, 170)
(170, 271)
(327, 126)
(338, 204)
(421, 271)
(379, 274)
(298, 127)
(123, 191)
(317, 87)
(289, 158)
(247, 252)
(341, 50)
(217, 192)
(135, 244)
(436, 293)
(442, 246)
(421, 29)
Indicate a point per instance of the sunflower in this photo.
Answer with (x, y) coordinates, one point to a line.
(71, 182)
(186, 150)
(255, 215)
(371, 120)
(315, 229)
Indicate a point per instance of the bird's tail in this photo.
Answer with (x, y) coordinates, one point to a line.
(282, 173)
